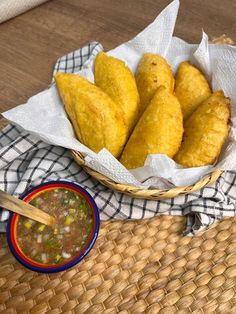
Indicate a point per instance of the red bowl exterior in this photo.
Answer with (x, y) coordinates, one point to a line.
(13, 219)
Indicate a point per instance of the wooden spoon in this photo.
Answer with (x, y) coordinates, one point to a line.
(20, 207)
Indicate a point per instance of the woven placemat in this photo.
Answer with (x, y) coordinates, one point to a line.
(142, 266)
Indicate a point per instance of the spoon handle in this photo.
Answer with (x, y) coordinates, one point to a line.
(20, 207)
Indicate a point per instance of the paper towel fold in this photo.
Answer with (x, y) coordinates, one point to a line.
(218, 62)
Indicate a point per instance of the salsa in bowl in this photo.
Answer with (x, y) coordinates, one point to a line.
(55, 248)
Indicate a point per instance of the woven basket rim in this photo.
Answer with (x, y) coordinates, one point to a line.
(146, 193)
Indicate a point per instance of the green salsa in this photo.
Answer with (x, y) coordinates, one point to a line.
(60, 243)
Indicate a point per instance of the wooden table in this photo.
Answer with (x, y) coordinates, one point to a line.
(31, 43)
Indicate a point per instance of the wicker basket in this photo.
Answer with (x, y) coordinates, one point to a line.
(153, 194)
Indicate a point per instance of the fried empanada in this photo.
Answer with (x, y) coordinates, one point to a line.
(159, 130)
(191, 88)
(96, 119)
(116, 79)
(205, 132)
(153, 71)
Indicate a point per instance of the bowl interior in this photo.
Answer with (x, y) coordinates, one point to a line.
(86, 247)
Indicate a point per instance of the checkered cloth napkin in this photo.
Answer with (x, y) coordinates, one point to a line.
(26, 161)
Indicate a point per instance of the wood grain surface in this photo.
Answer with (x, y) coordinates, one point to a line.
(31, 42)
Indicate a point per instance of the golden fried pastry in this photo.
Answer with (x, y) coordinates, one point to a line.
(191, 88)
(116, 79)
(153, 71)
(205, 132)
(158, 131)
(96, 119)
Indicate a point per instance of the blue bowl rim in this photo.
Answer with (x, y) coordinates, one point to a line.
(74, 261)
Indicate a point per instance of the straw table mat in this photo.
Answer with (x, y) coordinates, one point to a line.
(144, 266)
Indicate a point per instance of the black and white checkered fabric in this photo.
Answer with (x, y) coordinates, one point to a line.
(26, 161)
